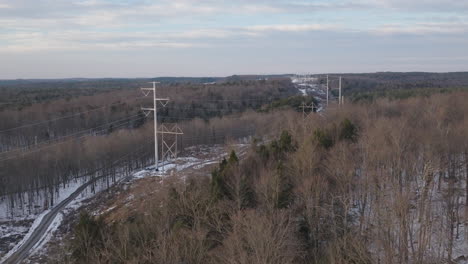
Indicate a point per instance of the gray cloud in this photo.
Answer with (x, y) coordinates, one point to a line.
(218, 32)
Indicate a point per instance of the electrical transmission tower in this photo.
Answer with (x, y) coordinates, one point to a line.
(305, 106)
(169, 148)
(305, 78)
(163, 102)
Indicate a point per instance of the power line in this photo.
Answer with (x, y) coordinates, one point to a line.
(59, 118)
(225, 100)
(222, 108)
(103, 107)
(94, 171)
(23, 153)
(217, 100)
(143, 153)
(63, 139)
(73, 134)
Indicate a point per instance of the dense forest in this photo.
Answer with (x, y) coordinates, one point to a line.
(25, 92)
(48, 144)
(382, 179)
(400, 85)
(384, 182)
(26, 126)
(21, 93)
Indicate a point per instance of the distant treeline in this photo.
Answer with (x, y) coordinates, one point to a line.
(25, 92)
(369, 85)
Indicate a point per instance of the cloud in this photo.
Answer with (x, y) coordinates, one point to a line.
(84, 40)
(422, 28)
(420, 5)
(226, 29)
(259, 8)
(429, 59)
(27, 41)
(90, 3)
(291, 27)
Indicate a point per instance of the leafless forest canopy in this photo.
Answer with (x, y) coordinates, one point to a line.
(48, 144)
(366, 183)
(374, 181)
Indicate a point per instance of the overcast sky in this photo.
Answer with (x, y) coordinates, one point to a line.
(122, 38)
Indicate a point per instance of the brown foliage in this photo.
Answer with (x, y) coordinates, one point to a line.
(395, 194)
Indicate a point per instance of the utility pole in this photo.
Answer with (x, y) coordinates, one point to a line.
(163, 101)
(327, 89)
(339, 96)
(342, 96)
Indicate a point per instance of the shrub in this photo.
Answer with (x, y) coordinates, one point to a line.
(348, 131)
(323, 138)
(88, 236)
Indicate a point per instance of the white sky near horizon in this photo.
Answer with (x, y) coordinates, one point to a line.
(142, 38)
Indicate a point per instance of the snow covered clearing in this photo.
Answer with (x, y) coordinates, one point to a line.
(309, 86)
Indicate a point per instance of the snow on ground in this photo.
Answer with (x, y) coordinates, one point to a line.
(199, 166)
(16, 235)
(460, 250)
(166, 168)
(8, 229)
(309, 86)
(34, 225)
(11, 232)
(435, 230)
(176, 165)
(22, 212)
(197, 157)
(48, 235)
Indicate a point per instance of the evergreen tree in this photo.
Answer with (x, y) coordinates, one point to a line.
(323, 138)
(88, 235)
(348, 131)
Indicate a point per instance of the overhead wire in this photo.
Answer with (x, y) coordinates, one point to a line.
(24, 153)
(118, 103)
(61, 139)
(69, 135)
(91, 130)
(20, 153)
(96, 170)
(60, 118)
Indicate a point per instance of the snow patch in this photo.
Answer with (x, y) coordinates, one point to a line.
(33, 227)
(48, 234)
